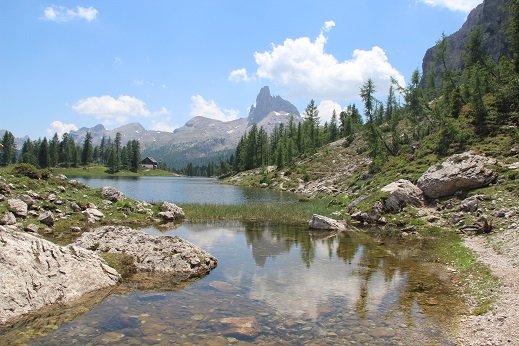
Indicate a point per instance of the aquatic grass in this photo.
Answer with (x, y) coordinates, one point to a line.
(285, 213)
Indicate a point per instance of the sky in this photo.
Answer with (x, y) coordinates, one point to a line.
(70, 64)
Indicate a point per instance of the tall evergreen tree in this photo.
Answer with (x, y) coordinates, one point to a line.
(9, 150)
(43, 154)
(87, 152)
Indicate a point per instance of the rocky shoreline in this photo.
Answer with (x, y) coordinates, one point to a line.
(37, 273)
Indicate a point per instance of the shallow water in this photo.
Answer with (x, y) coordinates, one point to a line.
(296, 288)
(188, 190)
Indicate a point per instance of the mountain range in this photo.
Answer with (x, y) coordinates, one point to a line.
(201, 139)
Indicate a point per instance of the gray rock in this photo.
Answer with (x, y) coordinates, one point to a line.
(8, 219)
(5, 189)
(458, 172)
(75, 207)
(27, 199)
(51, 197)
(36, 273)
(171, 212)
(17, 206)
(469, 205)
(47, 218)
(320, 222)
(514, 166)
(75, 229)
(401, 194)
(164, 254)
(34, 194)
(2, 197)
(32, 228)
(93, 215)
(112, 194)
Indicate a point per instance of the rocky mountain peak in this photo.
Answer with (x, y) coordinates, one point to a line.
(491, 17)
(266, 103)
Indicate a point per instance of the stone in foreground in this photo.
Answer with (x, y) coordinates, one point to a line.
(402, 193)
(165, 254)
(37, 273)
(458, 172)
(324, 223)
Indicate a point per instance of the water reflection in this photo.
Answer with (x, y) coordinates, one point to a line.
(188, 190)
(322, 288)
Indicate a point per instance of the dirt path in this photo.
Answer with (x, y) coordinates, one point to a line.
(500, 326)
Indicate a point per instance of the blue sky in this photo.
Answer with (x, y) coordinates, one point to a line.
(65, 65)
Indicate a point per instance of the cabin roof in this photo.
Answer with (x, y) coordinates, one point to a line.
(149, 159)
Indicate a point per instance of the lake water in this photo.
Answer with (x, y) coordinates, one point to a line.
(291, 286)
(295, 287)
(188, 190)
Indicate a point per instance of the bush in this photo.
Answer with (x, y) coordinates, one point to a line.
(26, 170)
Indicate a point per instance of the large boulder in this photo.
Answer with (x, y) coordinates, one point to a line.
(171, 212)
(401, 194)
(458, 172)
(112, 194)
(164, 254)
(92, 215)
(319, 222)
(17, 206)
(36, 273)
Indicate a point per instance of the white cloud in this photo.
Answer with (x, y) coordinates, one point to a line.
(454, 5)
(239, 75)
(303, 66)
(60, 128)
(328, 26)
(115, 110)
(209, 109)
(326, 108)
(163, 125)
(62, 14)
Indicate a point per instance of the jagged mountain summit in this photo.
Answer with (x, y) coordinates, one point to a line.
(491, 17)
(201, 139)
(266, 104)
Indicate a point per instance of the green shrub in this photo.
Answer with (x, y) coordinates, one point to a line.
(27, 170)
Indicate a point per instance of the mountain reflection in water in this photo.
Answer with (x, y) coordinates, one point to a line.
(324, 288)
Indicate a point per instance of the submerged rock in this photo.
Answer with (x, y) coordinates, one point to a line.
(401, 194)
(325, 223)
(240, 326)
(458, 172)
(36, 273)
(164, 254)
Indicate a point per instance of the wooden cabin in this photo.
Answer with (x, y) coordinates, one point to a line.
(149, 163)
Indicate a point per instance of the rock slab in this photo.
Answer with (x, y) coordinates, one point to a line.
(324, 223)
(37, 273)
(458, 172)
(163, 254)
(402, 193)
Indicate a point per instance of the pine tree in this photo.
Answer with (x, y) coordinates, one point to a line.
(87, 152)
(333, 128)
(53, 150)
(43, 154)
(9, 150)
(366, 93)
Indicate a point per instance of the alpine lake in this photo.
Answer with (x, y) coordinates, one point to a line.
(274, 285)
